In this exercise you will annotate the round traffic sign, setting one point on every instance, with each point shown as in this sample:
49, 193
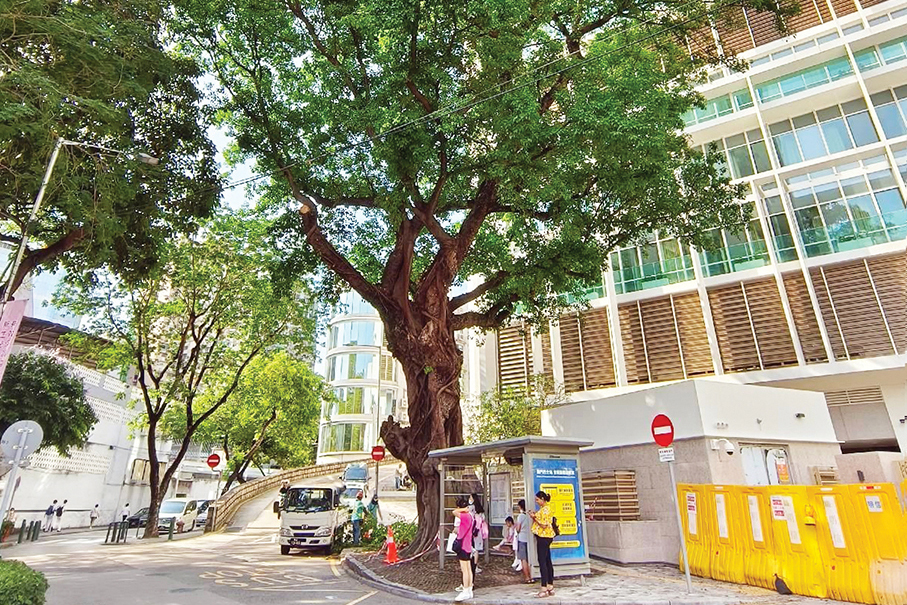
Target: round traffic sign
663, 430
213, 461
12, 436
378, 453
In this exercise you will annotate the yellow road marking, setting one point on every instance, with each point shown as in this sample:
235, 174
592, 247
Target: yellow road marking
363, 597
335, 568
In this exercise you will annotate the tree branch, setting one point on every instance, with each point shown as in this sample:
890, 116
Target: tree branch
496, 280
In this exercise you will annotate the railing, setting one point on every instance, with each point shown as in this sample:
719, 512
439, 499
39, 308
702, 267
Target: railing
222, 511
735, 258
653, 275
862, 233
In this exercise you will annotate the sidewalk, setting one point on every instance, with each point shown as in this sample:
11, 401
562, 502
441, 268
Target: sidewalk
611, 585
86, 532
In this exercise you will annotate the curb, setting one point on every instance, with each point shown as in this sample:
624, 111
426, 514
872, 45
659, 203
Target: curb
370, 578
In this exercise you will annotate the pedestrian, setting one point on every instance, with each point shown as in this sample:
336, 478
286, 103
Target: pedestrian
523, 527
124, 514
58, 516
49, 516
398, 477
543, 527
462, 546
284, 487
507, 536
93, 516
11, 516
359, 512
479, 533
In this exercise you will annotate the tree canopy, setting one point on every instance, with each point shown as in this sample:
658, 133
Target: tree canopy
98, 73
192, 326
512, 412
40, 388
272, 415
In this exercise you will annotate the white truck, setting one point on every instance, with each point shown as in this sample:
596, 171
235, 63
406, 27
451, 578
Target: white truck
309, 514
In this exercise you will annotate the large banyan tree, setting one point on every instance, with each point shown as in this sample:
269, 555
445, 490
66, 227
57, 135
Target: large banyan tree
413, 146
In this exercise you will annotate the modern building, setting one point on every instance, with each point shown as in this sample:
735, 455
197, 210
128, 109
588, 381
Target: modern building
366, 390
813, 294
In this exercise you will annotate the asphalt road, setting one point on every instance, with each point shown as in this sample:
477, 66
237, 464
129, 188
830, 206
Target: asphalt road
242, 566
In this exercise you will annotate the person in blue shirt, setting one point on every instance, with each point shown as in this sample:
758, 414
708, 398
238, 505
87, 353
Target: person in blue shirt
359, 512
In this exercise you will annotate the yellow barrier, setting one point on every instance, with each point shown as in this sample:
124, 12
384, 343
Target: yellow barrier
846, 542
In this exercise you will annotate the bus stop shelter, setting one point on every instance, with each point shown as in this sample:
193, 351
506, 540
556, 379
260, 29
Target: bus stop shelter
513, 469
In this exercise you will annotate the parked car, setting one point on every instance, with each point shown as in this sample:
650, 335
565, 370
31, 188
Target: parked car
355, 475
202, 518
179, 509
139, 518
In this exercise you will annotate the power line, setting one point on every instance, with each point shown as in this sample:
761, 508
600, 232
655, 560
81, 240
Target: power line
452, 108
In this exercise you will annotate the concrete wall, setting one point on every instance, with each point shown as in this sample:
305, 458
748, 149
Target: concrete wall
877, 467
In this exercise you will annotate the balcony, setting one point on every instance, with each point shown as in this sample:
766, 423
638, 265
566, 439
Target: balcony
861, 233
653, 275
739, 257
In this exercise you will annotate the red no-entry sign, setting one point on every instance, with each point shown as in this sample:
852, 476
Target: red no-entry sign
663, 430
213, 460
378, 453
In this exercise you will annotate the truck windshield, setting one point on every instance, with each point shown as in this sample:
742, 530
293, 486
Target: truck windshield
356, 473
308, 500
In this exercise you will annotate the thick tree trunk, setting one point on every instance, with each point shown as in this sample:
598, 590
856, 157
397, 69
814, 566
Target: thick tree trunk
154, 477
432, 370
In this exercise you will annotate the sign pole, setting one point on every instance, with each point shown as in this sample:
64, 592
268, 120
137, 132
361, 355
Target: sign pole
683, 543
11, 480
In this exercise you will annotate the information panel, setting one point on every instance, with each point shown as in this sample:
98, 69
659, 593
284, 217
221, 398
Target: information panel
558, 478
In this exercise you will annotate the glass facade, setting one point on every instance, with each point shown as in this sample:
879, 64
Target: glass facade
342, 437
804, 80
353, 333
658, 262
360, 400
735, 251
720, 106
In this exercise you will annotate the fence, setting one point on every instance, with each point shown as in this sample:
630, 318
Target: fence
222, 510
845, 542
611, 496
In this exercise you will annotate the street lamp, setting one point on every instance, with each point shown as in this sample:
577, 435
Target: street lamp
60, 142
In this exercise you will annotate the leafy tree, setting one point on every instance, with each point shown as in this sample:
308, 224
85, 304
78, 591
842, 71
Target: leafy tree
513, 412
98, 73
40, 388
411, 146
272, 415
191, 327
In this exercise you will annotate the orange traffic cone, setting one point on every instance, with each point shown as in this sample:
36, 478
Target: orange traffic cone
391, 547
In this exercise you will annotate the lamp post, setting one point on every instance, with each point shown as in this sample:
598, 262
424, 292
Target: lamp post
58, 144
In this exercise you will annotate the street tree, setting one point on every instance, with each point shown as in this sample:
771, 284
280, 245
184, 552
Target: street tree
411, 146
510, 412
39, 387
191, 327
97, 73
272, 415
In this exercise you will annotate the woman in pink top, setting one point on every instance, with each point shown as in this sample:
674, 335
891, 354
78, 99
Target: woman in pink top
464, 549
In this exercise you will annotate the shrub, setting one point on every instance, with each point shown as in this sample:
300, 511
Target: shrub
20, 584
374, 535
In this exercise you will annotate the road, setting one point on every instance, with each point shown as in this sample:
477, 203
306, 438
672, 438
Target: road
243, 566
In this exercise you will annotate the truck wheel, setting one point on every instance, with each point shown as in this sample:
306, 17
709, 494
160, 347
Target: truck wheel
284, 549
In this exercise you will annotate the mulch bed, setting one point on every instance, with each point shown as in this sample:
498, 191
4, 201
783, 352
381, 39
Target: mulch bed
423, 574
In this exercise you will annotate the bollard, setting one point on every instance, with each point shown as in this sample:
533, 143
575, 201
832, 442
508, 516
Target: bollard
109, 531
170, 531
124, 529
37, 532
21, 533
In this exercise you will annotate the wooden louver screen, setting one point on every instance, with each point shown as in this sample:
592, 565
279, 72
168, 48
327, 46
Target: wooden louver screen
853, 310
571, 354
598, 361
547, 367
611, 496
804, 318
513, 358
732, 328
697, 357
776, 348
633, 344
662, 345
889, 274
868, 395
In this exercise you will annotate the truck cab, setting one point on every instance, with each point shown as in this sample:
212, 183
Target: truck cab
309, 514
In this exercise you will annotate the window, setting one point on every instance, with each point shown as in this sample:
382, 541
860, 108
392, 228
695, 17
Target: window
351, 366
346, 437
657, 262
777, 221
720, 106
827, 131
743, 154
730, 252
353, 333
892, 111
803, 80
885, 54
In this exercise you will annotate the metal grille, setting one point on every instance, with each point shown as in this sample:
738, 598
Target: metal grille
513, 358
610, 496
869, 395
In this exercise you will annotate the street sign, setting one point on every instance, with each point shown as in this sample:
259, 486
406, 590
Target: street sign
213, 461
663, 430
666, 454
12, 439
378, 453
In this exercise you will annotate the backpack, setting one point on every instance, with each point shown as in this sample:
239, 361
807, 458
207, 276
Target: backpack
557, 530
50, 510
